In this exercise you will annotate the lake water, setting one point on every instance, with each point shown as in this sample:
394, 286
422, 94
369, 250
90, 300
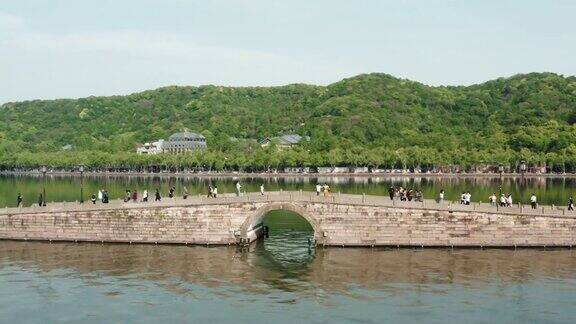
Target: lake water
281, 281
65, 188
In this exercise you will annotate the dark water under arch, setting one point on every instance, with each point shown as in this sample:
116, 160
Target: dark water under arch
289, 243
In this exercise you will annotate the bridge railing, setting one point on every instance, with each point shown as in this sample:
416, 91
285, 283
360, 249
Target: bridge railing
302, 196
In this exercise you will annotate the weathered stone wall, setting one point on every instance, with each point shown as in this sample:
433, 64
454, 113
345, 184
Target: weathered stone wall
367, 226
209, 224
333, 223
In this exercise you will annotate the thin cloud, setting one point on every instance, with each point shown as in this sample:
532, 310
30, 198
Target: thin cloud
118, 62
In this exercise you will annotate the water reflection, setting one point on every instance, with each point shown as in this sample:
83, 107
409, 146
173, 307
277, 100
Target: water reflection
84, 282
331, 269
550, 190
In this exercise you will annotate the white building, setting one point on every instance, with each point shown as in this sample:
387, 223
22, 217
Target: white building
150, 148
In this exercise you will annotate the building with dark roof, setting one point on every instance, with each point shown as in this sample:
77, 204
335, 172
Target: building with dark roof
284, 141
184, 142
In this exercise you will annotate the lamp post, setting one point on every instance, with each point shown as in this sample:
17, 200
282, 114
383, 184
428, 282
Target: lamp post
501, 170
81, 169
44, 186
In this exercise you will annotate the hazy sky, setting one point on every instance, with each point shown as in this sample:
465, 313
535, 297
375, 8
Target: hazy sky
76, 48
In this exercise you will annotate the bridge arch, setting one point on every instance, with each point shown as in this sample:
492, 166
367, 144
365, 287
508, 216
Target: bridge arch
250, 224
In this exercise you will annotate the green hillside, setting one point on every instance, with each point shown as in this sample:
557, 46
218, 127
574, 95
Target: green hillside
372, 119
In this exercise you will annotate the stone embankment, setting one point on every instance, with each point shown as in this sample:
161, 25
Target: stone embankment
339, 220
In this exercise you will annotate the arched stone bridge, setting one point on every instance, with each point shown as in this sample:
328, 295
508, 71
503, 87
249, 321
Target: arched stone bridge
339, 220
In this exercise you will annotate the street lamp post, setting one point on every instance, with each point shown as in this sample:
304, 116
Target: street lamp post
44, 186
501, 170
81, 169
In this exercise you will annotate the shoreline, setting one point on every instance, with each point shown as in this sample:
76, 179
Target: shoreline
290, 175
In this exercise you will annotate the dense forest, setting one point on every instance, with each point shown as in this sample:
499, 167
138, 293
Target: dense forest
369, 120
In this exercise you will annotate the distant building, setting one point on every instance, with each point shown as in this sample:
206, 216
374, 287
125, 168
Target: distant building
360, 169
150, 148
184, 142
333, 170
284, 141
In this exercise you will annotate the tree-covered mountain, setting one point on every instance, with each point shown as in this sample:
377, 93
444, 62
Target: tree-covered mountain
372, 119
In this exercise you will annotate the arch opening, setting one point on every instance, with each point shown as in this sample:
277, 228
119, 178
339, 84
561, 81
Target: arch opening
289, 214
287, 241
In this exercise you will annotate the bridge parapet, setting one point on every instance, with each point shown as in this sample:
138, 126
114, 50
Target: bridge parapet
295, 196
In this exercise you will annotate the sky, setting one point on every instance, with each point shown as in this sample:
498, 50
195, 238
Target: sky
77, 48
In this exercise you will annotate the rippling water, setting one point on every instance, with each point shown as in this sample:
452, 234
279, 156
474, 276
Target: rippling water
281, 280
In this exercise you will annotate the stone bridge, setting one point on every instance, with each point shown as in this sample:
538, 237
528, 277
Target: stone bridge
338, 220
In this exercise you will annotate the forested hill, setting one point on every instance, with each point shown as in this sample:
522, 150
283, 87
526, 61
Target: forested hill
532, 113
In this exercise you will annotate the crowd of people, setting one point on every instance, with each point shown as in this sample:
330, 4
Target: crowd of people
505, 200
405, 194
465, 198
324, 190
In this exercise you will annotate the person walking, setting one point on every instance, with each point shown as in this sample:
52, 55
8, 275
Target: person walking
100, 194
441, 196
105, 197
502, 200
533, 201
570, 204
215, 192
93, 199
318, 189
262, 189
492, 200
171, 192
391, 193
40, 200
135, 196
145, 195
19, 199
157, 195
468, 198
185, 195
238, 187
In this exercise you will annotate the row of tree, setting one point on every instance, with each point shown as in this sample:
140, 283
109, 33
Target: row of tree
260, 160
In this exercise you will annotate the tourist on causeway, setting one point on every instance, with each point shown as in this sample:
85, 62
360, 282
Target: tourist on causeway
238, 188
19, 200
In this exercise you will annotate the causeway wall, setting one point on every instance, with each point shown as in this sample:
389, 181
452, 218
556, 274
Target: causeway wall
345, 220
